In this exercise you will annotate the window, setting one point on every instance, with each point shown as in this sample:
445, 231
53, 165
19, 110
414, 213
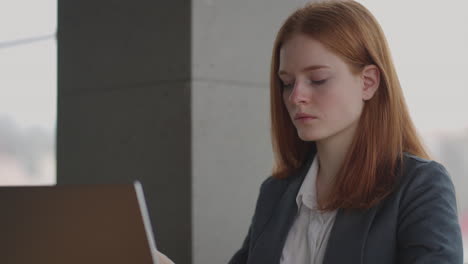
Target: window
28, 92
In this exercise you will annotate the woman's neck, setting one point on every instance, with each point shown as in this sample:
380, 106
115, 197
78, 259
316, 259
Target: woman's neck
331, 154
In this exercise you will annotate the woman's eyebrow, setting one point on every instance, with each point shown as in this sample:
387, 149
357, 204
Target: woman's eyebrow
306, 69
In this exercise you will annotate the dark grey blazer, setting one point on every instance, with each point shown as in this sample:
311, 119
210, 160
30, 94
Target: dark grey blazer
417, 223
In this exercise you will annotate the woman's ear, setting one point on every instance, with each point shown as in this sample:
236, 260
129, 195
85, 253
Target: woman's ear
371, 81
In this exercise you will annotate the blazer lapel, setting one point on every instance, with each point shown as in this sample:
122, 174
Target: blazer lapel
269, 245
348, 236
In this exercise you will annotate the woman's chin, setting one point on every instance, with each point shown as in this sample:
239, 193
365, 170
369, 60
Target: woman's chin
309, 136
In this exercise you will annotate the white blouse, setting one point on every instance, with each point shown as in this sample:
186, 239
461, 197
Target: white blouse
308, 237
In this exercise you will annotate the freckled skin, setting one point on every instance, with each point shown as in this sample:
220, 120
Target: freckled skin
337, 102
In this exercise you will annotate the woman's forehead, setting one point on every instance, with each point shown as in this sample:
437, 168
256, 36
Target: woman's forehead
304, 53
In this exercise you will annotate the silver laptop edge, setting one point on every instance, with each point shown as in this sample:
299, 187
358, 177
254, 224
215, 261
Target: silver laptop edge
146, 220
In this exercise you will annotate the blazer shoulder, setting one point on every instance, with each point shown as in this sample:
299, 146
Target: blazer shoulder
413, 159
421, 170
423, 177
272, 189
272, 182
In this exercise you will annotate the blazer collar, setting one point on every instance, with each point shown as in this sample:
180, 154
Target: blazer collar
269, 245
347, 237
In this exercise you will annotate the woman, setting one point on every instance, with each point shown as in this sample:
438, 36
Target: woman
352, 181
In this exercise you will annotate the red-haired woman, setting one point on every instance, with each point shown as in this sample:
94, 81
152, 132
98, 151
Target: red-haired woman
352, 181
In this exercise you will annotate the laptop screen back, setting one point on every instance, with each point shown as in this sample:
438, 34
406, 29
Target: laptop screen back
74, 224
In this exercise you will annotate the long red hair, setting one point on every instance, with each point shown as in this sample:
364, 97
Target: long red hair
385, 131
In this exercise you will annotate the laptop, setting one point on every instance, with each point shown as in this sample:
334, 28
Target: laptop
71, 224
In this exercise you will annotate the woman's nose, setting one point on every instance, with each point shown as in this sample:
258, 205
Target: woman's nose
300, 93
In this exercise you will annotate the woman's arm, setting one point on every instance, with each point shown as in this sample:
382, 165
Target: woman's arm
428, 228
242, 254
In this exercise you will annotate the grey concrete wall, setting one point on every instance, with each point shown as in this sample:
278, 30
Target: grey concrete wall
231, 51
124, 105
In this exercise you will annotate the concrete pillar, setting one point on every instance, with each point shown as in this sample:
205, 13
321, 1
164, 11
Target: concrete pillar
124, 106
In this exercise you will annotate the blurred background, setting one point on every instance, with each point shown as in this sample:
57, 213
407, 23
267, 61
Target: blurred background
175, 94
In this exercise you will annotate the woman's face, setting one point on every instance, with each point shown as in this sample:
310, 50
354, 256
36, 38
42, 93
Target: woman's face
318, 83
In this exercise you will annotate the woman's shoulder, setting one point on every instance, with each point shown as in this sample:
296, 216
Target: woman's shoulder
272, 187
427, 213
417, 169
423, 177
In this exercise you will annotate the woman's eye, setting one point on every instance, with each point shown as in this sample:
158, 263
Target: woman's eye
319, 82
287, 86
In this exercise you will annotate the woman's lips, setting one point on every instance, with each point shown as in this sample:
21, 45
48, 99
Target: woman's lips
304, 116
305, 119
